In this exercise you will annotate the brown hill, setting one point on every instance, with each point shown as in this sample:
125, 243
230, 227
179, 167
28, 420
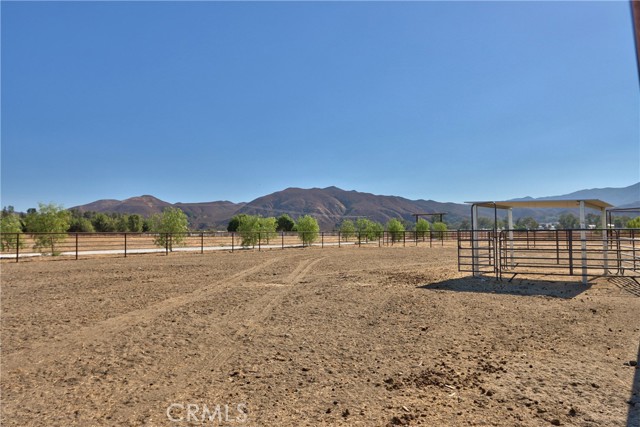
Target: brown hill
330, 206
142, 205
201, 216
209, 215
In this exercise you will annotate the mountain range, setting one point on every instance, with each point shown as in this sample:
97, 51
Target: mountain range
331, 205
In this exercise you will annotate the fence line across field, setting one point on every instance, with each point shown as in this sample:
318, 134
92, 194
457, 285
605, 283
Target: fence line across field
26, 245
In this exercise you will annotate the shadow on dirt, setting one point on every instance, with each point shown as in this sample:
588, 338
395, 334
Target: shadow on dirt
633, 419
627, 284
523, 287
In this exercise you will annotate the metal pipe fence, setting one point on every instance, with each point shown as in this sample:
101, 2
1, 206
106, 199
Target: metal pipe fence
18, 246
579, 252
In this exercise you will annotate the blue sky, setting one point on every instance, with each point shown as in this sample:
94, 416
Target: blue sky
205, 101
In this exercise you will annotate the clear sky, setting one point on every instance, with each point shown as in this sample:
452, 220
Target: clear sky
204, 101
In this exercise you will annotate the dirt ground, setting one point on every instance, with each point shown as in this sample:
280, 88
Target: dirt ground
307, 337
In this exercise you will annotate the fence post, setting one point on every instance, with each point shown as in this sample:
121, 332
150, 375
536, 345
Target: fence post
125, 245
233, 235
339, 238
259, 243
322, 239
404, 239
76, 245
202, 242
282, 234
633, 248
359, 238
166, 243
570, 244
17, 247
557, 249
430, 239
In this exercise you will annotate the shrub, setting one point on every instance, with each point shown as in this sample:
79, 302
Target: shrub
422, 227
11, 229
51, 218
308, 229
170, 227
395, 229
347, 229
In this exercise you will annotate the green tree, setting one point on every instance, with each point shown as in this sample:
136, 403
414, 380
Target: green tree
121, 223
484, 223
103, 223
8, 210
621, 221
347, 229
526, 223
368, 229
438, 229
80, 224
135, 223
568, 221
593, 219
395, 229
634, 223
422, 227
51, 219
11, 230
171, 227
266, 229
465, 224
234, 223
248, 228
285, 223
308, 229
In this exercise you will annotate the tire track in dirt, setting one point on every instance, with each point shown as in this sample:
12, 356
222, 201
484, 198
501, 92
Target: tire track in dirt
260, 310
44, 351
256, 316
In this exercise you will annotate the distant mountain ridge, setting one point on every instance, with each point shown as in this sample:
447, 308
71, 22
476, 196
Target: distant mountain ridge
625, 196
331, 205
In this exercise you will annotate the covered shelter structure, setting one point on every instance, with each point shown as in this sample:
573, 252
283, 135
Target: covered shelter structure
583, 251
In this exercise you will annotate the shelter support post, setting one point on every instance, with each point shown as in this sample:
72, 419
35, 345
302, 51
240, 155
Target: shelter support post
474, 241
510, 228
605, 240
583, 242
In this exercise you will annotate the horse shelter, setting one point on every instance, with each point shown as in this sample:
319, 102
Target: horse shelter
586, 252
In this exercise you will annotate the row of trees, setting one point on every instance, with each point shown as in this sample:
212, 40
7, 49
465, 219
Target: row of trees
364, 228
50, 224
256, 229
253, 229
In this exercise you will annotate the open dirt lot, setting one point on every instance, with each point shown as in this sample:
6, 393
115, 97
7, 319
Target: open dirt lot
340, 336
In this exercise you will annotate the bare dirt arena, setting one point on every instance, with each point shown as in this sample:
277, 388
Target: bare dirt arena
307, 337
